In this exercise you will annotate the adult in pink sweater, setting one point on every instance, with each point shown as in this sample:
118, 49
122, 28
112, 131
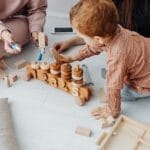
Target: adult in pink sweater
20, 20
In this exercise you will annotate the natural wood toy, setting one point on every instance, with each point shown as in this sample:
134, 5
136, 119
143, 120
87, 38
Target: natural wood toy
13, 77
107, 122
42, 43
126, 132
21, 64
62, 77
83, 131
7, 81
7, 133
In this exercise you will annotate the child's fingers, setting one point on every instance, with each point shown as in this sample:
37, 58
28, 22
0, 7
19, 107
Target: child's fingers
9, 49
97, 111
98, 117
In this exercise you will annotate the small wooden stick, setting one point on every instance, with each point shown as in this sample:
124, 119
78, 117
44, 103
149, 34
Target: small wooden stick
101, 137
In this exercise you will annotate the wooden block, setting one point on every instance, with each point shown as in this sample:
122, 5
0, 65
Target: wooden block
45, 66
79, 101
35, 65
110, 120
83, 131
32, 72
101, 137
75, 91
20, 64
7, 134
2, 74
13, 77
42, 75
84, 93
7, 81
26, 77
42, 40
107, 122
63, 85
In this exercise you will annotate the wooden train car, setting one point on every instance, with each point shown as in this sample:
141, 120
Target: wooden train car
63, 77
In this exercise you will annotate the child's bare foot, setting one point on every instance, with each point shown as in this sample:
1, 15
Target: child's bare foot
103, 112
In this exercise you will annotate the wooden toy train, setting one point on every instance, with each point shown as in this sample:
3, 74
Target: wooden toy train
63, 77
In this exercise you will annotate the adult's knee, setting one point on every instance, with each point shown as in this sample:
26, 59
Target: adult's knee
20, 29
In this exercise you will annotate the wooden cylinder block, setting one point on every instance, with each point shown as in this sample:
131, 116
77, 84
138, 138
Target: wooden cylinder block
45, 66
35, 65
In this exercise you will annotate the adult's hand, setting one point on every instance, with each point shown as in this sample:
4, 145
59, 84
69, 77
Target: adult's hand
9, 40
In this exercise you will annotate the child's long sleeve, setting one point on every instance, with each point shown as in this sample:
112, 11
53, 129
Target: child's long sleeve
115, 80
86, 52
36, 14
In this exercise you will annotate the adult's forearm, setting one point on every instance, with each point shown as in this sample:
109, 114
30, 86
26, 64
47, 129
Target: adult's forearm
76, 40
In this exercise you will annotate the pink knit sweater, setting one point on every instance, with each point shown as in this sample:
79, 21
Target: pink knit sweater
128, 60
33, 10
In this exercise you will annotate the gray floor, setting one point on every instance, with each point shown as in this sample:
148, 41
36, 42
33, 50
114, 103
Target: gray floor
45, 118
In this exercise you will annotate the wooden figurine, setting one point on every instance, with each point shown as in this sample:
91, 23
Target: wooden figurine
83, 131
62, 77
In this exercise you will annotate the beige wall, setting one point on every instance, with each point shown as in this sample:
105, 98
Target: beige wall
60, 7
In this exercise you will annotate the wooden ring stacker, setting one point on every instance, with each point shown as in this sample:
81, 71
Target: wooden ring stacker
35, 65
76, 85
45, 66
54, 72
75, 91
44, 77
77, 78
54, 82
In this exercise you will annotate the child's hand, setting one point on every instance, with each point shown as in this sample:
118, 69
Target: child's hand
8, 41
103, 112
62, 46
61, 58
